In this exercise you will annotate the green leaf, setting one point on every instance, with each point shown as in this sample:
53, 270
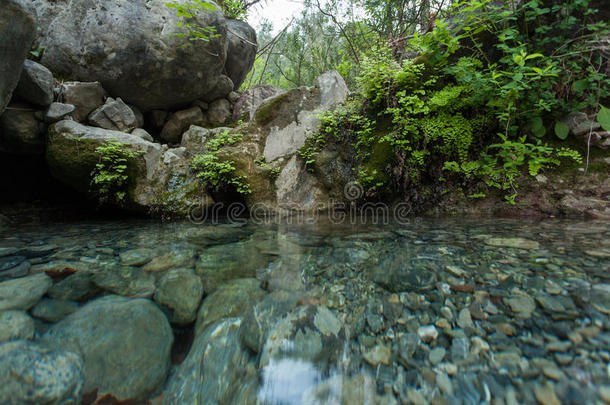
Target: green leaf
538, 128
603, 117
561, 130
579, 85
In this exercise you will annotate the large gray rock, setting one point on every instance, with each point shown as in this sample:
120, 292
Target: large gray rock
115, 115
15, 325
261, 318
86, 97
58, 111
179, 122
293, 117
213, 369
17, 30
126, 281
34, 374
250, 99
35, 85
219, 112
125, 344
20, 130
232, 299
147, 66
179, 294
154, 185
241, 52
23, 293
51, 310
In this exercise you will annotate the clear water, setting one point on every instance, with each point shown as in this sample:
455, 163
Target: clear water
384, 283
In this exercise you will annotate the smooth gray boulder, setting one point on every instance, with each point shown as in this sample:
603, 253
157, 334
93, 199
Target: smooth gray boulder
213, 369
126, 281
261, 318
15, 325
114, 115
35, 85
232, 299
51, 310
179, 294
23, 293
125, 344
34, 374
17, 31
147, 65
85, 96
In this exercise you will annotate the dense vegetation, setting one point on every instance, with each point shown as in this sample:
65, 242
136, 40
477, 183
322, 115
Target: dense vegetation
480, 96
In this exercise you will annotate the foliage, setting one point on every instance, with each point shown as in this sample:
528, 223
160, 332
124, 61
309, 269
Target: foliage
188, 11
110, 175
218, 173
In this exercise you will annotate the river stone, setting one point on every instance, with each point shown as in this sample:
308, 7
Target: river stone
397, 273
58, 111
221, 263
522, 305
84, 96
20, 130
35, 84
136, 257
124, 342
23, 293
126, 281
259, 320
51, 310
310, 333
179, 122
76, 287
19, 270
212, 371
34, 374
17, 31
15, 325
232, 299
519, 243
171, 260
179, 294
114, 115
378, 354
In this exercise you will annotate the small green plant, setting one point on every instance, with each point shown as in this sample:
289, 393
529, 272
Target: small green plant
110, 175
218, 174
188, 10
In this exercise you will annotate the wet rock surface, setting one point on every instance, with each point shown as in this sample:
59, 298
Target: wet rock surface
432, 311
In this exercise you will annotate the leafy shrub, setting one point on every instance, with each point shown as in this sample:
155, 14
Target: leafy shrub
216, 173
110, 176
